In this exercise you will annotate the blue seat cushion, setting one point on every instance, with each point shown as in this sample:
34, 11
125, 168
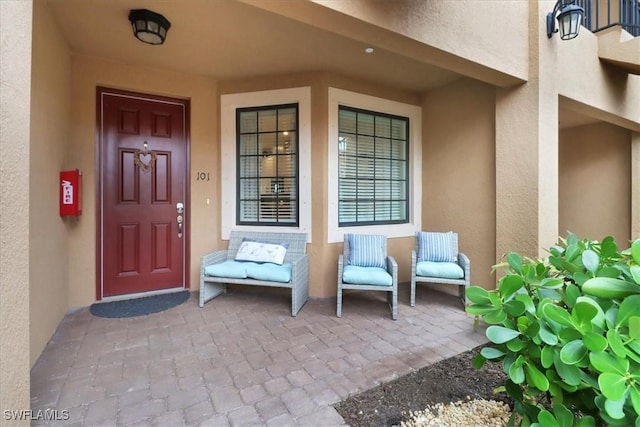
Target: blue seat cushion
442, 270
366, 276
230, 269
242, 270
269, 272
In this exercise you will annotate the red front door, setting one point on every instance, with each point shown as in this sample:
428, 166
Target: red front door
143, 187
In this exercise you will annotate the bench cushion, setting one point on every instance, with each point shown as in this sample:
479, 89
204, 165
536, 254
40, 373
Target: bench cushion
366, 276
269, 272
230, 269
242, 270
443, 270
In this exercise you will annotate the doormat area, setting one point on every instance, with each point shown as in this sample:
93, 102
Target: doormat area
139, 306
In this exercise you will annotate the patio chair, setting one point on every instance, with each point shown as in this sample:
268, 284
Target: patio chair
436, 259
365, 266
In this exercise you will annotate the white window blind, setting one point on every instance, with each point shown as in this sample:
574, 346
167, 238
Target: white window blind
372, 168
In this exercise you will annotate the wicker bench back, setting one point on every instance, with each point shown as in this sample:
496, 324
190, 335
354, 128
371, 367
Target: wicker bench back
297, 242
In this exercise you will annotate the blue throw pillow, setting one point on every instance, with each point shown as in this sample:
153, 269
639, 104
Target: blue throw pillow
367, 250
437, 247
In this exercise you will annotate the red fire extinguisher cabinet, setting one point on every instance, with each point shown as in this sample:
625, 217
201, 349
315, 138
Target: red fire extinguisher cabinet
71, 193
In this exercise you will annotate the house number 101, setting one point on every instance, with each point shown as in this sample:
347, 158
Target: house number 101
202, 176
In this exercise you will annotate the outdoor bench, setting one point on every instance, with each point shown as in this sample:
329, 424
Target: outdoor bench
221, 268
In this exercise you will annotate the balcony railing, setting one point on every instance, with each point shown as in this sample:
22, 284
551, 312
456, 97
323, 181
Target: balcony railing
601, 14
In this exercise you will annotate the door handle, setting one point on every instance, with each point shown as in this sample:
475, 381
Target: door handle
180, 220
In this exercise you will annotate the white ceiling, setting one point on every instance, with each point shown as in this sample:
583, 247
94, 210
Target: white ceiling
227, 39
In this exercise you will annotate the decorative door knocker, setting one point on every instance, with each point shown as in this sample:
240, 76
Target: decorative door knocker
145, 158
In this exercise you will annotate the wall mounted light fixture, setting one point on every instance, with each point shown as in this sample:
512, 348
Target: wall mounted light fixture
569, 19
148, 26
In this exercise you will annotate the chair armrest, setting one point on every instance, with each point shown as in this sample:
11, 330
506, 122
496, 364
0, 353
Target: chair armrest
392, 267
463, 261
300, 264
214, 258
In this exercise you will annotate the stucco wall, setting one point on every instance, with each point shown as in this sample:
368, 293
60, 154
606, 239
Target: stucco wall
458, 163
596, 88
50, 104
595, 182
461, 27
87, 73
15, 87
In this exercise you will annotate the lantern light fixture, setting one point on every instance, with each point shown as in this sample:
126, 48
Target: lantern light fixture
569, 19
149, 27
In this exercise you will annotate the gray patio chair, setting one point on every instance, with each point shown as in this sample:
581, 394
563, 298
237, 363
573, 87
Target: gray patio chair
436, 259
365, 266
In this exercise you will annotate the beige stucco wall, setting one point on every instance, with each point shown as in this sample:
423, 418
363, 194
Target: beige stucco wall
595, 182
458, 162
50, 104
15, 103
423, 21
88, 73
595, 88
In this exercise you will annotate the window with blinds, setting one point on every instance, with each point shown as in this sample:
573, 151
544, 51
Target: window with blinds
372, 168
267, 165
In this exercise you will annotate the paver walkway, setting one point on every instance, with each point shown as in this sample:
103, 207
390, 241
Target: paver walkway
242, 360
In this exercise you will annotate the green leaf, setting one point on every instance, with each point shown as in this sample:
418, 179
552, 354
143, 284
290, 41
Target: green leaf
546, 356
612, 385
615, 408
608, 272
480, 310
586, 421
573, 352
551, 283
527, 301
599, 319
605, 287
634, 394
634, 327
500, 334
595, 342
514, 308
478, 361
515, 262
572, 293
635, 273
571, 374
495, 317
516, 373
616, 344
635, 251
606, 362
546, 419
608, 247
537, 378
590, 260
510, 284
558, 315
547, 336
492, 353
630, 306
582, 314
478, 295
563, 415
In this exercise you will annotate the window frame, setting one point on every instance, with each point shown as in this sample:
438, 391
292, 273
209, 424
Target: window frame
337, 97
228, 105
296, 209
406, 181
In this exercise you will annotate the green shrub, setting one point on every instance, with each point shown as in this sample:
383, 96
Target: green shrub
567, 332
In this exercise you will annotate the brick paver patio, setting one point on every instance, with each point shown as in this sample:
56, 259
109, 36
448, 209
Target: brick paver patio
242, 360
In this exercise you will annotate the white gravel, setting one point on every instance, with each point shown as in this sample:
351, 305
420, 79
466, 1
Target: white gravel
476, 413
